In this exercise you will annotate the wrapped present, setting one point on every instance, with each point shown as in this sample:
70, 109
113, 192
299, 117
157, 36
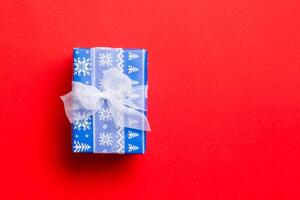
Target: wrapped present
108, 102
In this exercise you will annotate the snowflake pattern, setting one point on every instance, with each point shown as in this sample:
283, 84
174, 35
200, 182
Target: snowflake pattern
105, 114
82, 66
104, 126
100, 84
105, 59
82, 121
105, 139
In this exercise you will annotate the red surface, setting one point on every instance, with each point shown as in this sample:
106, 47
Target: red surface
224, 99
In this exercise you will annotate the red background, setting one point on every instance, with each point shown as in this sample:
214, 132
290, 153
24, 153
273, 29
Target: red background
224, 108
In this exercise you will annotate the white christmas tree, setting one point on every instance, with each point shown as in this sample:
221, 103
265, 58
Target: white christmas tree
132, 147
134, 82
79, 147
132, 134
132, 121
132, 69
132, 56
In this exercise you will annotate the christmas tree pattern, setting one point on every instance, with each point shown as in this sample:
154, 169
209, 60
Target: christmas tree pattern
80, 147
132, 147
134, 82
132, 56
132, 134
132, 69
132, 122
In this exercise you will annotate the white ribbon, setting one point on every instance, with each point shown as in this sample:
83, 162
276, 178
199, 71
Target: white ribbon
125, 101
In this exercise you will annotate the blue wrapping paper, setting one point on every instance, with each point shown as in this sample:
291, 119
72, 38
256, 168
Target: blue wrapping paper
98, 133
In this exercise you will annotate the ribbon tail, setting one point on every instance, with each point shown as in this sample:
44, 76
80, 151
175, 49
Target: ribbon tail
138, 97
82, 102
130, 104
73, 108
125, 116
68, 104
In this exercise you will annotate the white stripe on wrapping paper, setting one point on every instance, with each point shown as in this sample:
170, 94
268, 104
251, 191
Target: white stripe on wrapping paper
120, 141
121, 131
93, 55
143, 81
120, 65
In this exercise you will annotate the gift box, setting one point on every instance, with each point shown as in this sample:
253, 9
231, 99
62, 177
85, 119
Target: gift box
108, 103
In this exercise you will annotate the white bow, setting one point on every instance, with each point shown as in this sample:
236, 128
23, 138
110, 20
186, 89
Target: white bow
125, 101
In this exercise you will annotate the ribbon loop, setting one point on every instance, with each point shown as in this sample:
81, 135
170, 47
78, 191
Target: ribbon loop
124, 101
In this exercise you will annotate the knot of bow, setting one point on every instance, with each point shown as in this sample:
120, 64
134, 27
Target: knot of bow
125, 102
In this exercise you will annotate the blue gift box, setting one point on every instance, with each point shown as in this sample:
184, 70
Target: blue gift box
98, 133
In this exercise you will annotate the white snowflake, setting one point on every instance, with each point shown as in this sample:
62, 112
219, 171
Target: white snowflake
105, 139
82, 66
82, 121
132, 147
105, 114
105, 59
132, 56
104, 126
